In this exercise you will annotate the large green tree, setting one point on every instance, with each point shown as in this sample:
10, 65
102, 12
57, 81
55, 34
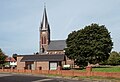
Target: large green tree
2, 58
91, 44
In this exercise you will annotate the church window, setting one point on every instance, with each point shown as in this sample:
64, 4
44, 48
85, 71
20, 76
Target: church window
44, 40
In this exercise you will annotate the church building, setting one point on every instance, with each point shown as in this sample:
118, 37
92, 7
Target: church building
48, 46
51, 54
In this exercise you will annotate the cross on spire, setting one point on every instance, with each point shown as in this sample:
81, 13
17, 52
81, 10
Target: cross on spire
44, 5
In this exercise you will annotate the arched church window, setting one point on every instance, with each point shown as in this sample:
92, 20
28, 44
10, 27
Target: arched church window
44, 40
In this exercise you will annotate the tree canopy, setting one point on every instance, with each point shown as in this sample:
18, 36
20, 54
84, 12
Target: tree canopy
114, 58
14, 56
1, 53
2, 57
91, 44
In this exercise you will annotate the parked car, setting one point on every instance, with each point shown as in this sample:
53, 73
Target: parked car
66, 67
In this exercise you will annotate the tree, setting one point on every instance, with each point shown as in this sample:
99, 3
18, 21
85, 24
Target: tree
1, 53
114, 58
91, 44
2, 58
14, 56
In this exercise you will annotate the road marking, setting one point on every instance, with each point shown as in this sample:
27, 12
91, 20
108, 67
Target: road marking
42, 80
4, 75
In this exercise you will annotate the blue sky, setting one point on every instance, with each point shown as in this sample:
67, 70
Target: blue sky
20, 21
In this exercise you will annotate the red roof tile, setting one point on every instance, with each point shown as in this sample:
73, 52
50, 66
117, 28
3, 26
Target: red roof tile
11, 59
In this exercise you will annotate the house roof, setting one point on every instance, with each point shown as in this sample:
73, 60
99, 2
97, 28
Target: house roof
57, 45
10, 59
47, 57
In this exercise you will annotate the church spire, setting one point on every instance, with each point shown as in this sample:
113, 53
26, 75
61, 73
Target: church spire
44, 32
44, 23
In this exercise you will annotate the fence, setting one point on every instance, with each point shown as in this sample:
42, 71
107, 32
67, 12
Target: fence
73, 73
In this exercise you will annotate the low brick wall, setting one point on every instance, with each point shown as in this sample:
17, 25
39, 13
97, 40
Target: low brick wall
64, 72
106, 74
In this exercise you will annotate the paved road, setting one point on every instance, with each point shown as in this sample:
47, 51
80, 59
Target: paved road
31, 78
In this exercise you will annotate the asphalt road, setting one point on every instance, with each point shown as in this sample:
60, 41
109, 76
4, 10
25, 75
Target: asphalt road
6, 77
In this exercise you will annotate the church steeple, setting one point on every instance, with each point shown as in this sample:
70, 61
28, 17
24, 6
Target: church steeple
44, 23
44, 32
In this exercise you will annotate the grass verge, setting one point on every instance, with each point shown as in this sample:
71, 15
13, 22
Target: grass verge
107, 69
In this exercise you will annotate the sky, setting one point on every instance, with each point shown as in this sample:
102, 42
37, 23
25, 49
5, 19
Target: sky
20, 21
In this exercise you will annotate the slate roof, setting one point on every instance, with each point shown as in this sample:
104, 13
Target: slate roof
47, 57
57, 45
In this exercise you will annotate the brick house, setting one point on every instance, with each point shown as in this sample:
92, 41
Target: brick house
51, 54
10, 62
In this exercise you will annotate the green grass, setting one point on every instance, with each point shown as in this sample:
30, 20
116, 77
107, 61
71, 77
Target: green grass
102, 69
107, 69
